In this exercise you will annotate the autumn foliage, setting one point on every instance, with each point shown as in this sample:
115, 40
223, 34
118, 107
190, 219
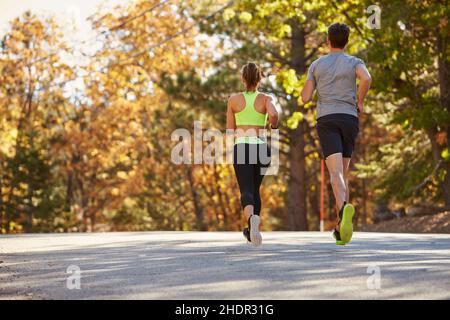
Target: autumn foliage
85, 129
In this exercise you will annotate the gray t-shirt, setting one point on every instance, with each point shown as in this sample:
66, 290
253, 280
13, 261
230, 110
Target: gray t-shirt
335, 78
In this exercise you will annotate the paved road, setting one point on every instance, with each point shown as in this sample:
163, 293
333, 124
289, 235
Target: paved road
219, 265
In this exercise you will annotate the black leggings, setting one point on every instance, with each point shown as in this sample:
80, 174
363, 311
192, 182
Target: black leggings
250, 162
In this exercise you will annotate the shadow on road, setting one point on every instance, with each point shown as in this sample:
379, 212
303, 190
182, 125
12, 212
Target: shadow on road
297, 267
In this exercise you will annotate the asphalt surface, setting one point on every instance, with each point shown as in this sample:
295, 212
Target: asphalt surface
220, 265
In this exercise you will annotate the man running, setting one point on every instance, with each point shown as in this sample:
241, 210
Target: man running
334, 76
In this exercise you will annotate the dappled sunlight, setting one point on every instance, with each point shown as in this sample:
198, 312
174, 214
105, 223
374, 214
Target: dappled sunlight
289, 265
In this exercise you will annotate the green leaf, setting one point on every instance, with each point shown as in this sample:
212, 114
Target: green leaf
245, 17
294, 120
445, 154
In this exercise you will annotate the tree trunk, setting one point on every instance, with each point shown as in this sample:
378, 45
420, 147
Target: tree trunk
30, 120
364, 201
69, 191
30, 209
444, 85
222, 202
210, 193
84, 215
196, 201
2, 209
83, 206
314, 201
297, 214
93, 218
436, 150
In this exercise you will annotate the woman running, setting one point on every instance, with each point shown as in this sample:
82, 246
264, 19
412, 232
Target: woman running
247, 114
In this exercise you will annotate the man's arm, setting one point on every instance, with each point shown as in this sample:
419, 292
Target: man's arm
273, 110
308, 91
364, 84
310, 84
231, 121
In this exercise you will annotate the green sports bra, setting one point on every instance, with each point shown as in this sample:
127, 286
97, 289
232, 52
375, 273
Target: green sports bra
249, 116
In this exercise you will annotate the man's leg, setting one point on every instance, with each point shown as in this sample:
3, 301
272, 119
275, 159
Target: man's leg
345, 227
349, 128
346, 164
336, 169
331, 140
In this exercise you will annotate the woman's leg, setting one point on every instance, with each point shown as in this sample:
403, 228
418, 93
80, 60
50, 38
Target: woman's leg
257, 196
259, 173
259, 170
244, 175
257, 181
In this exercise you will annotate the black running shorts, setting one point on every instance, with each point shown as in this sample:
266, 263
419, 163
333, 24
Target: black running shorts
337, 134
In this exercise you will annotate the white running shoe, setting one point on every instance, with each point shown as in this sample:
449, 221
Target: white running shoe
255, 235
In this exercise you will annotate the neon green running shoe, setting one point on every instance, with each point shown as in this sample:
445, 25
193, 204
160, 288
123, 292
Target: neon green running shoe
346, 228
337, 237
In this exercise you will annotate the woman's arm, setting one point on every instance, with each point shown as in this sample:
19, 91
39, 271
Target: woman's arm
273, 110
231, 121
